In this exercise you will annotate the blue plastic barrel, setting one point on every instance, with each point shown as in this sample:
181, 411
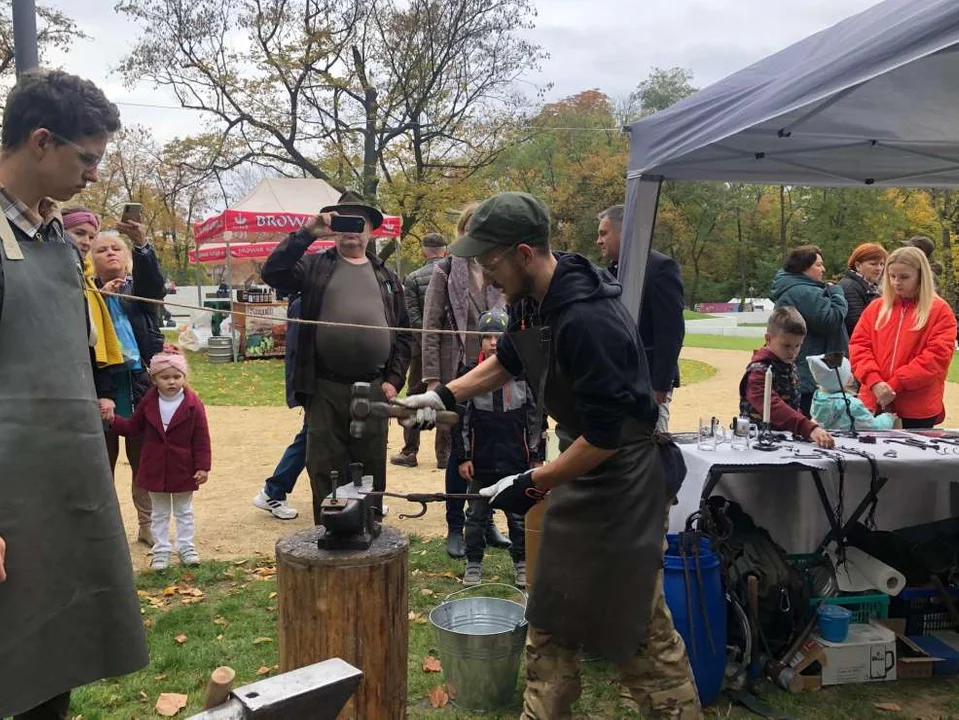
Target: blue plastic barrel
708, 661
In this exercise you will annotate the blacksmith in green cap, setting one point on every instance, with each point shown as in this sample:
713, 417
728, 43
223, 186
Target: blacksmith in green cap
598, 578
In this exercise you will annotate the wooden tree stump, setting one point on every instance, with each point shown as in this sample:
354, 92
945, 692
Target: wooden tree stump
352, 605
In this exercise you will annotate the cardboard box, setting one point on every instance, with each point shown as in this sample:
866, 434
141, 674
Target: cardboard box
868, 655
912, 662
803, 671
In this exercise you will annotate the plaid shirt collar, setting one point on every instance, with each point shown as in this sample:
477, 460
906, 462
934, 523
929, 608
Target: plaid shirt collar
29, 222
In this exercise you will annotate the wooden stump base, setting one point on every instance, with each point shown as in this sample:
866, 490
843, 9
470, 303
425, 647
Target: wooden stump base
350, 604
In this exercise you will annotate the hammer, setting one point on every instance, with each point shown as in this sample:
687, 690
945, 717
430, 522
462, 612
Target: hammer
361, 408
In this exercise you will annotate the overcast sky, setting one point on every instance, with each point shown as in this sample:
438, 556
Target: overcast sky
607, 44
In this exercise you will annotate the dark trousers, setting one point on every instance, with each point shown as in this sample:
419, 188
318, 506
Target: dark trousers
805, 403
330, 447
411, 436
479, 515
57, 708
141, 498
455, 509
918, 423
284, 477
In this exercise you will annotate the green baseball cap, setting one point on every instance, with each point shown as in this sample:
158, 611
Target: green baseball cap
504, 220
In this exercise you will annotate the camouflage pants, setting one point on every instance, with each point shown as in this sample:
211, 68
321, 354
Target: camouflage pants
658, 678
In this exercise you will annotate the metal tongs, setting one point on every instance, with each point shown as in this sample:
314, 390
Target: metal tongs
423, 498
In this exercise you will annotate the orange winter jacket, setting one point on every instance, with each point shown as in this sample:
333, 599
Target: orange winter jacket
913, 362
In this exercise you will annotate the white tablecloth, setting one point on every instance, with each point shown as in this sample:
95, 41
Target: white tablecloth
784, 500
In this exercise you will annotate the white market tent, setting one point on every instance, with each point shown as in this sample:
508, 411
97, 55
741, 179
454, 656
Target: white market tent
871, 101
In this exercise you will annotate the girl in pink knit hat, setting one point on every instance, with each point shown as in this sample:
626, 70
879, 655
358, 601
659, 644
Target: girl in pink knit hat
176, 456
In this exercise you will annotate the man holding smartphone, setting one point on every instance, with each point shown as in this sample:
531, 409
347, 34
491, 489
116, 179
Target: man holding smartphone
347, 284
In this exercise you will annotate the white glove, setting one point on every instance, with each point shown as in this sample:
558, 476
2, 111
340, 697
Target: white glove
514, 493
499, 486
426, 405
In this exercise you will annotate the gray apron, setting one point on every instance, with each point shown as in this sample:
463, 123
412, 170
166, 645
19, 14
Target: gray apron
602, 533
69, 614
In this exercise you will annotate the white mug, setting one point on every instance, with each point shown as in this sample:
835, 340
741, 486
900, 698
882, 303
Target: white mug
742, 432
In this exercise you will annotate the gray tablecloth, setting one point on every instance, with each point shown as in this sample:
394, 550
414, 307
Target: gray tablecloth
784, 499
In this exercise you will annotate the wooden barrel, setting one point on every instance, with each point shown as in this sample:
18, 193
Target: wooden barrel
220, 349
352, 605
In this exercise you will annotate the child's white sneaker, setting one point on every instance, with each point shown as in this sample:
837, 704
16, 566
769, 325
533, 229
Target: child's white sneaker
160, 561
190, 557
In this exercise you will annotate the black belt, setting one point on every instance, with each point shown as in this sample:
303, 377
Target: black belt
343, 380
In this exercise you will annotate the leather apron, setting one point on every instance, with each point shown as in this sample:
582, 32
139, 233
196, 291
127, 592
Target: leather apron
69, 613
602, 533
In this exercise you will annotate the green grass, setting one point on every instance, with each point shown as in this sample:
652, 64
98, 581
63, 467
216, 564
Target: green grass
693, 371
953, 375
235, 612
693, 315
723, 342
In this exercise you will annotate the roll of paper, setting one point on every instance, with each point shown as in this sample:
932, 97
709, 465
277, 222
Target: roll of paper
862, 572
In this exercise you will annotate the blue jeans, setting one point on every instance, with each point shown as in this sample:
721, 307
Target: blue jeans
289, 468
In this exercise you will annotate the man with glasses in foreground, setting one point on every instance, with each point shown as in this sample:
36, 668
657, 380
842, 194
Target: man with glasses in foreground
69, 614
598, 578
345, 284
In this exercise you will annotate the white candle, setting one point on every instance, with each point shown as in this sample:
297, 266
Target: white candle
767, 395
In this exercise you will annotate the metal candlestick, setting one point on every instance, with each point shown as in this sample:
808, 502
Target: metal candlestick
765, 442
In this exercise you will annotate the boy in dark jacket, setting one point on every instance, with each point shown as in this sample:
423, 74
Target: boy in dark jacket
500, 435
785, 333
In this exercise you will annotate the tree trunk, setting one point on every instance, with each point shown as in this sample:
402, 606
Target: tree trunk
782, 222
352, 605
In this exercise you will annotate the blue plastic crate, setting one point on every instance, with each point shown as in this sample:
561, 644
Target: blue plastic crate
923, 610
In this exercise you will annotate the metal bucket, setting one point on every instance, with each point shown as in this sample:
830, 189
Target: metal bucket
480, 642
220, 349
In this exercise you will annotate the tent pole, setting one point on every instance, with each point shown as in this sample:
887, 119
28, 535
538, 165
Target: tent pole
199, 277
229, 282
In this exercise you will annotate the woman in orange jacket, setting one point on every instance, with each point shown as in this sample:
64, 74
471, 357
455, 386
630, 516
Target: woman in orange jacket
904, 342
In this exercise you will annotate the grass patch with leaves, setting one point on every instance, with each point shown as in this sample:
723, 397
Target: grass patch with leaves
225, 613
723, 342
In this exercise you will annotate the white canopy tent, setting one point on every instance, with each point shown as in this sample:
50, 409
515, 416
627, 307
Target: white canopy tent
873, 100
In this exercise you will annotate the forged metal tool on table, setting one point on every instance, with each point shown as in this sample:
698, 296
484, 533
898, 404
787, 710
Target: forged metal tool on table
908, 442
424, 498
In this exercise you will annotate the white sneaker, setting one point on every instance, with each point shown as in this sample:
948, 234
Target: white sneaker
160, 561
279, 508
189, 557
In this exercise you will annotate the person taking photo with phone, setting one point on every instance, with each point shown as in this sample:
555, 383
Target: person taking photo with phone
345, 284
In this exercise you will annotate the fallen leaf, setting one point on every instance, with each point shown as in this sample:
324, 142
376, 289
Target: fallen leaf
239, 562
272, 595
420, 621
148, 623
431, 664
161, 676
261, 640
426, 592
270, 608
143, 594
888, 707
413, 615
180, 639
144, 696
188, 577
218, 620
263, 670
169, 591
439, 697
219, 637
169, 704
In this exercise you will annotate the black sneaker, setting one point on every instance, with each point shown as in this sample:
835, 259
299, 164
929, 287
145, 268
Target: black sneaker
403, 460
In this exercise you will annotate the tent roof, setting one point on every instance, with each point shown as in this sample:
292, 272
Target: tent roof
290, 195
871, 100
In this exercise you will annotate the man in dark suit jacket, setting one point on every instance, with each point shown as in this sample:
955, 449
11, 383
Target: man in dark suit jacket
661, 324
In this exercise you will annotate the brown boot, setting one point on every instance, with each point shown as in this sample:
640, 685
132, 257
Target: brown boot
404, 460
144, 508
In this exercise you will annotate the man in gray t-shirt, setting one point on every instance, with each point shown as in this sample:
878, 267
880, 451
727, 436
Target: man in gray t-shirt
349, 285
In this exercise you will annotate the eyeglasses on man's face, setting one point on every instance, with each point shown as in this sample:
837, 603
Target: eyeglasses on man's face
88, 159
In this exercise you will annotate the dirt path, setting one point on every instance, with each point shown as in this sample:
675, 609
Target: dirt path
247, 442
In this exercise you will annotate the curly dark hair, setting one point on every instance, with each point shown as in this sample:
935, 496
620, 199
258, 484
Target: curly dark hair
801, 259
64, 104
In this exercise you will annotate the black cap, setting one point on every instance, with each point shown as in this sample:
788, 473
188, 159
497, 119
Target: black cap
433, 240
351, 203
504, 220
922, 243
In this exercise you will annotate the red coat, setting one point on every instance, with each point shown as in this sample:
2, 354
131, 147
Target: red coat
169, 458
913, 362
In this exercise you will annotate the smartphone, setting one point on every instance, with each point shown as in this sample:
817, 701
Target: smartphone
347, 224
132, 212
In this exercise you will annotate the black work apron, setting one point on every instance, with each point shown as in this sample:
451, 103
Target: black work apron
69, 613
602, 533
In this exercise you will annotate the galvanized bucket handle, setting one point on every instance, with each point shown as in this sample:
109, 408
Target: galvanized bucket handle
489, 584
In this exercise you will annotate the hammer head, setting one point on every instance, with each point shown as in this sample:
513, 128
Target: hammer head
359, 408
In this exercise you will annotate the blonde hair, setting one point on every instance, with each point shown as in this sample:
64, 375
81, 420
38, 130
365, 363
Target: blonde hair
465, 214
916, 259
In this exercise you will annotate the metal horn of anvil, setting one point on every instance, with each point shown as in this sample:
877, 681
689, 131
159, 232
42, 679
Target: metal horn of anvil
348, 514
314, 692
362, 408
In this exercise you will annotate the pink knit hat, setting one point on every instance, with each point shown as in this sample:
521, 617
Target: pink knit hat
162, 361
72, 218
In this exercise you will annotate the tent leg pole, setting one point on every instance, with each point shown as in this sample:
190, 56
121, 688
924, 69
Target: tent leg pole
229, 282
